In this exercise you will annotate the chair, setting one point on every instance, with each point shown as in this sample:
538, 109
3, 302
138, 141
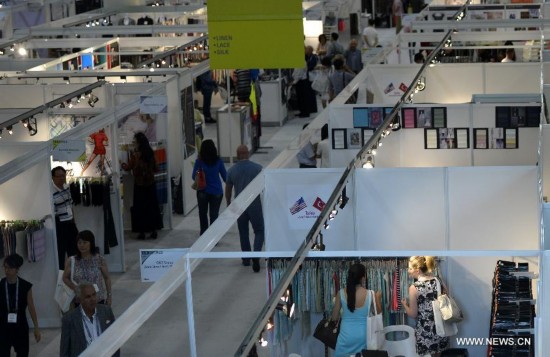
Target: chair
402, 342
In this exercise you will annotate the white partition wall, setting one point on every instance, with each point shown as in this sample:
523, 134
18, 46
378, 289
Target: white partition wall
285, 230
28, 197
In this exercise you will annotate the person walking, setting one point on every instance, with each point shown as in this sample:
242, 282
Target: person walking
90, 266
370, 35
239, 176
15, 298
209, 199
83, 325
207, 87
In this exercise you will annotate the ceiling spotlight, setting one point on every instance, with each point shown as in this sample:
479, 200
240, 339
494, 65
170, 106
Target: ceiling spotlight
123, 79
32, 126
163, 62
69, 104
326, 225
12, 48
9, 128
0, 133
1, 51
22, 51
79, 98
25, 122
343, 198
368, 164
67, 80
92, 100
319, 243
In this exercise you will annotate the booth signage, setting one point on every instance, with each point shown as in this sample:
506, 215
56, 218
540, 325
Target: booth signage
69, 150
153, 104
305, 204
155, 262
255, 34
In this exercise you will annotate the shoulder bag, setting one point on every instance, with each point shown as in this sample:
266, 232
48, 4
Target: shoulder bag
200, 180
64, 295
442, 328
327, 332
375, 326
449, 308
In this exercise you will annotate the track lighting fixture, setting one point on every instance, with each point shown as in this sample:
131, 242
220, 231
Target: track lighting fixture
123, 78
12, 48
319, 246
22, 51
92, 100
32, 126
62, 105
25, 122
343, 198
420, 84
286, 303
67, 80
326, 225
0, 133
79, 98
368, 164
9, 128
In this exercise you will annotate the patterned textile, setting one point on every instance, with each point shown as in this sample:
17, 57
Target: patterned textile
427, 340
90, 270
36, 244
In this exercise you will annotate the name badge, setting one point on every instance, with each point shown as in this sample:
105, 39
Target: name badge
12, 318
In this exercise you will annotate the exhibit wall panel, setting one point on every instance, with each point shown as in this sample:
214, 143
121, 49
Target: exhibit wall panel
27, 197
400, 209
174, 133
284, 189
513, 78
546, 161
385, 81
453, 83
493, 208
21, 96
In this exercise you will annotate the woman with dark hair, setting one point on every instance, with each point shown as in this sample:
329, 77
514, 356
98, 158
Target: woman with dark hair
15, 297
89, 266
146, 215
356, 302
209, 199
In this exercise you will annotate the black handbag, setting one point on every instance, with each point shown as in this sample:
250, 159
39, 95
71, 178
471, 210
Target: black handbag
327, 332
373, 353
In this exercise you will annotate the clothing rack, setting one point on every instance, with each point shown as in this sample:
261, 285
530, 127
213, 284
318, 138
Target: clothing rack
318, 280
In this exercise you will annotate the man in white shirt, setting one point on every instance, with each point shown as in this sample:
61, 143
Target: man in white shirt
370, 35
64, 218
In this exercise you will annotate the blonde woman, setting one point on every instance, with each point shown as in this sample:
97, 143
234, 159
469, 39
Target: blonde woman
419, 306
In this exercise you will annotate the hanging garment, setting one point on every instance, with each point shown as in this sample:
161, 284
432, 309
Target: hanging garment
109, 234
36, 244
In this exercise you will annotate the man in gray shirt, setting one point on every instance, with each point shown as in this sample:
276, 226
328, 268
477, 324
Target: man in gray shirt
239, 176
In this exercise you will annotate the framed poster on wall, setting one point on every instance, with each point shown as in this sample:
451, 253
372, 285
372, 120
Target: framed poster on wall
462, 136
339, 139
481, 138
447, 138
367, 134
424, 118
511, 138
409, 118
354, 138
439, 117
360, 117
502, 119
496, 138
376, 118
430, 139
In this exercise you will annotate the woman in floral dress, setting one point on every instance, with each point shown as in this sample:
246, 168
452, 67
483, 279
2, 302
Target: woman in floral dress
419, 307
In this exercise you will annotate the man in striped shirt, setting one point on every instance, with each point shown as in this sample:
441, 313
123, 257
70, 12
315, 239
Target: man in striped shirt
65, 226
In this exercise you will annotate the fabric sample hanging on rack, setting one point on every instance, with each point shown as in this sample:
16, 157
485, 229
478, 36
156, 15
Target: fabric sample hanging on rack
36, 243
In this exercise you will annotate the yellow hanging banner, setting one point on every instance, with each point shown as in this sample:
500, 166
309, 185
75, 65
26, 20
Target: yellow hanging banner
255, 34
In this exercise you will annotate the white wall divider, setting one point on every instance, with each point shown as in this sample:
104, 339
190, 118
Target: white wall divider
285, 230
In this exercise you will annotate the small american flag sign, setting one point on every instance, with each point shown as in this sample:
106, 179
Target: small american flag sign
298, 206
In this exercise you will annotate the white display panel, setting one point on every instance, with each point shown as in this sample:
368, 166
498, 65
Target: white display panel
400, 209
493, 208
285, 231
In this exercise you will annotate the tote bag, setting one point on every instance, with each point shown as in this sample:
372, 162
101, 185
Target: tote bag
375, 327
63, 294
442, 328
449, 308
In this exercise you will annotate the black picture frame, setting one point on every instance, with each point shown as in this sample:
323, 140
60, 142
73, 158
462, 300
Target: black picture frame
339, 139
424, 117
533, 116
502, 117
511, 138
408, 116
361, 117
431, 138
481, 138
459, 133
439, 117
366, 134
